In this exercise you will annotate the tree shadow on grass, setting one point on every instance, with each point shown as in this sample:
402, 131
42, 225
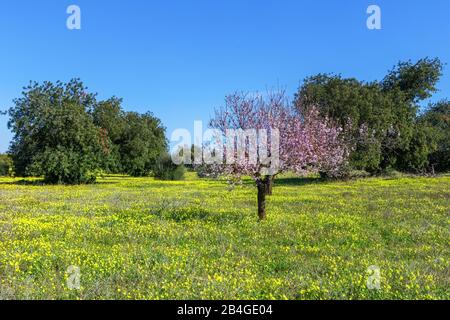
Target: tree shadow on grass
186, 214
42, 183
290, 181
299, 181
24, 182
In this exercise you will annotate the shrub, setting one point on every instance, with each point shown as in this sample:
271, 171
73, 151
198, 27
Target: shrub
165, 169
6, 165
206, 171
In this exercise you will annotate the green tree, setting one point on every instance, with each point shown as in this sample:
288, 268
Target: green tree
110, 118
415, 157
437, 117
165, 169
132, 141
380, 117
6, 165
363, 109
417, 81
142, 142
54, 136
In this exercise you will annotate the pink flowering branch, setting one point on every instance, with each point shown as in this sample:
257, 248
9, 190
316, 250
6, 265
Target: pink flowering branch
304, 142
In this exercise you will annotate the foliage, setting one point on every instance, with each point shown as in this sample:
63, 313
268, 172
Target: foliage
142, 143
63, 133
6, 165
165, 169
137, 238
437, 116
417, 81
54, 136
415, 157
109, 116
134, 141
206, 171
383, 115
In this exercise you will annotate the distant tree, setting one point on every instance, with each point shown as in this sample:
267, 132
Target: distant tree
54, 136
305, 143
141, 144
437, 118
6, 165
165, 169
110, 118
133, 141
343, 99
63, 133
383, 114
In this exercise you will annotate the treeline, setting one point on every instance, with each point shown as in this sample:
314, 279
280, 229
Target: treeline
63, 133
383, 120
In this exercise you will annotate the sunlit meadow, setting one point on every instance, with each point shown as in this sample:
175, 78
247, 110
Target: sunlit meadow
139, 238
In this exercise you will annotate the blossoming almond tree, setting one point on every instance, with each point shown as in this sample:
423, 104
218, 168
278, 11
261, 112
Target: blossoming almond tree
262, 136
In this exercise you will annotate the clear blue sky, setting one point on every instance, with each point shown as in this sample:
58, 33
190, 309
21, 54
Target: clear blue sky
179, 59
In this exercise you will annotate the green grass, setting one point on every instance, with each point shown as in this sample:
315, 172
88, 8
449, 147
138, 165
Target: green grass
196, 239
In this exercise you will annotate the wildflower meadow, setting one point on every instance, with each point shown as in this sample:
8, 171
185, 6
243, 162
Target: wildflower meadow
140, 238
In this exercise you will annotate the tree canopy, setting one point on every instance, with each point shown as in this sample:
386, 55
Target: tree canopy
61, 132
382, 115
437, 119
54, 136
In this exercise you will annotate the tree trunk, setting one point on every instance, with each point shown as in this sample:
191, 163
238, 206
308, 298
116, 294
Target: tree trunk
269, 184
262, 200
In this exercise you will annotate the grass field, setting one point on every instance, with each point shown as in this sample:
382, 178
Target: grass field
145, 239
